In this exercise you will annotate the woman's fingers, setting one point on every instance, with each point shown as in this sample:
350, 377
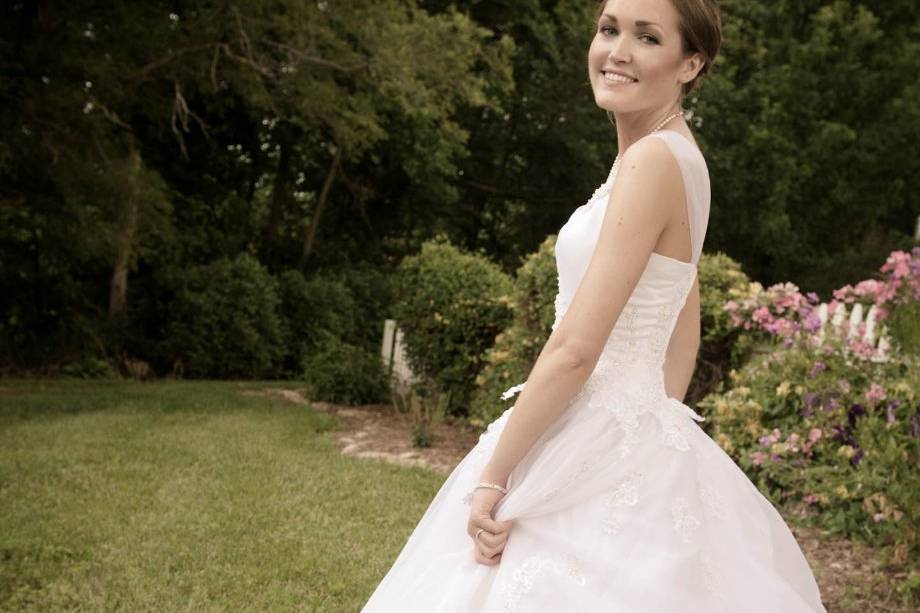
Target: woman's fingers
489, 551
477, 555
495, 527
492, 540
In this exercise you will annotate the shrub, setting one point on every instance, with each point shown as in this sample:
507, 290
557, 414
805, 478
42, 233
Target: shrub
310, 308
722, 345
450, 307
822, 427
516, 349
340, 372
89, 368
225, 320
830, 418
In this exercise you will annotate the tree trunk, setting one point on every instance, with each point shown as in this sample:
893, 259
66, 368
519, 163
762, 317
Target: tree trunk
281, 195
124, 240
310, 237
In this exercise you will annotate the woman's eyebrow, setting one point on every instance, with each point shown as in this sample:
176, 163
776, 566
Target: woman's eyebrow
639, 22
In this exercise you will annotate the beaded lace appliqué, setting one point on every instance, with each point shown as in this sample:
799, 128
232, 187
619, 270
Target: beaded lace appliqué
523, 577
625, 494
685, 523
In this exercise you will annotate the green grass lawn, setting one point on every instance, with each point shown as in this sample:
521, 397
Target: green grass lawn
179, 496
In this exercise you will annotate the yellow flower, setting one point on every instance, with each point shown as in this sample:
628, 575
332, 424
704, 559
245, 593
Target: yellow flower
743, 391
905, 388
799, 390
724, 442
782, 390
846, 450
842, 492
779, 448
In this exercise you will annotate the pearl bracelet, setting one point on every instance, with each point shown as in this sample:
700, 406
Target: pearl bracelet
469, 497
494, 486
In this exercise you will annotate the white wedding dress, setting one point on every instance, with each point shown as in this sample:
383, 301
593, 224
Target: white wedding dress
624, 504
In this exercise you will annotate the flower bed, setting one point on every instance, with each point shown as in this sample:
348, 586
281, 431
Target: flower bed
828, 414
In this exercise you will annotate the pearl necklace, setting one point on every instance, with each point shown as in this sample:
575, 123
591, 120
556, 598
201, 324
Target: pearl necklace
616, 163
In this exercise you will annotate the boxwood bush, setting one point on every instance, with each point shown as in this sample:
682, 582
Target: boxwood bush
450, 305
516, 348
225, 320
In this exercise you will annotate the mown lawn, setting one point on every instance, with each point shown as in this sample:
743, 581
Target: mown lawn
179, 496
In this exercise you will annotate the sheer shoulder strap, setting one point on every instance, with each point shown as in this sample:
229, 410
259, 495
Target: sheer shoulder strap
696, 185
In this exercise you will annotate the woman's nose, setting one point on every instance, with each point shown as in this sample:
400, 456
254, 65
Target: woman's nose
619, 49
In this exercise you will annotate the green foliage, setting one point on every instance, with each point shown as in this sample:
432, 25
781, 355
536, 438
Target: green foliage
810, 184
89, 368
722, 345
516, 348
817, 426
450, 307
311, 309
225, 320
340, 372
904, 326
423, 405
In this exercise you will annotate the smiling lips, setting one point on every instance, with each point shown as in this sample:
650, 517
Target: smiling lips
614, 77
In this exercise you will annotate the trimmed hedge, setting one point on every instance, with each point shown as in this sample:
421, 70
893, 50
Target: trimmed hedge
450, 307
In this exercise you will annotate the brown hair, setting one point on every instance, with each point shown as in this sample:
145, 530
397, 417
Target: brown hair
700, 25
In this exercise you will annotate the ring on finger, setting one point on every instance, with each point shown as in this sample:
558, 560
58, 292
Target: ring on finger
478, 532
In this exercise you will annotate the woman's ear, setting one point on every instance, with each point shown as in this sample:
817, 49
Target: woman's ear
691, 67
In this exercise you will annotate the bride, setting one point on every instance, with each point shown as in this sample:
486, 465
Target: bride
596, 491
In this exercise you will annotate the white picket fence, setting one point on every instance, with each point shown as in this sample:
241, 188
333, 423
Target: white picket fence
850, 324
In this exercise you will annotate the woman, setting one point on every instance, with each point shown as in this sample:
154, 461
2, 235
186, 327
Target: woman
596, 491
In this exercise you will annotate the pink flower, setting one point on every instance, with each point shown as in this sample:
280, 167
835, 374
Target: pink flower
844, 294
876, 392
762, 315
758, 458
814, 435
870, 288
898, 263
809, 499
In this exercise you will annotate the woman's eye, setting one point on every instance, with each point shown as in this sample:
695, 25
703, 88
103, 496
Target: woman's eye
651, 38
605, 29
611, 30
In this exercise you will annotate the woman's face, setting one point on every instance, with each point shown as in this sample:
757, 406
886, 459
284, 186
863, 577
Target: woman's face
650, 54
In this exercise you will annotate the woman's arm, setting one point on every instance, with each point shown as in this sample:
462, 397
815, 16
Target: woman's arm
648, 188
680, 359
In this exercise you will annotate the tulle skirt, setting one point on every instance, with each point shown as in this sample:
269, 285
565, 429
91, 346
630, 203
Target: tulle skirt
624, 504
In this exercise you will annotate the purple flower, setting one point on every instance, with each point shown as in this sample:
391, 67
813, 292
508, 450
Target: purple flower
812, 322
816, 368
853, 414
856, 457
812, 297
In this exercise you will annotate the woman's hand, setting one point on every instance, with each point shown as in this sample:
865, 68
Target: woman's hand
491, 542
